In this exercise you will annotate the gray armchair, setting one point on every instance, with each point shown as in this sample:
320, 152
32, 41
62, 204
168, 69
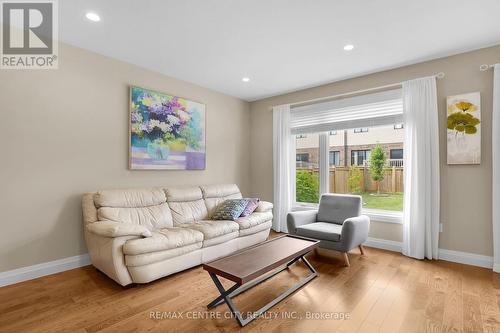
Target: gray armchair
337, 223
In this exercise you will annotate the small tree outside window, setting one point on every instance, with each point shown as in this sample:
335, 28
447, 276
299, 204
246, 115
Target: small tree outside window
354, 179
377, 164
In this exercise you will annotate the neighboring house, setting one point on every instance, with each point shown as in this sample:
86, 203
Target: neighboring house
352, 147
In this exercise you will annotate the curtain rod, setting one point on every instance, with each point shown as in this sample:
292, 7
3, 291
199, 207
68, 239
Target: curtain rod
485, 67
439, 75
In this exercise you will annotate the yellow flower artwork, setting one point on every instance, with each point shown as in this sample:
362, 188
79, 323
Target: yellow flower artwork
464, 129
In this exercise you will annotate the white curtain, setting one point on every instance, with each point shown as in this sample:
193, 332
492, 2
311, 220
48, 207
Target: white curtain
421, 179
495, 136
283, 165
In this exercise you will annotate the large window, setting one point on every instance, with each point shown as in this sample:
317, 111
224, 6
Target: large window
355, 146
355, 177
360, 157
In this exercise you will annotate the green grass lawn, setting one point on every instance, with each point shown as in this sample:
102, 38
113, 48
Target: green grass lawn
394, 201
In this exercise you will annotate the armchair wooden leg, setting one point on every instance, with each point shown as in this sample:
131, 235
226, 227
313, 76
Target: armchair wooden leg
362, 250
346, 259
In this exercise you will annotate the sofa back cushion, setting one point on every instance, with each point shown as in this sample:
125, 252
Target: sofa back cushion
146, 207
214, 195
186, 204
130, 198
336, 208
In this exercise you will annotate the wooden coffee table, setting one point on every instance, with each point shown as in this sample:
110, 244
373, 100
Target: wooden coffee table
256, 264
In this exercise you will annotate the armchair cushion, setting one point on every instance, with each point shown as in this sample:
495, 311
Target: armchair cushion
336, 208
296, 219
321, 230
117, 229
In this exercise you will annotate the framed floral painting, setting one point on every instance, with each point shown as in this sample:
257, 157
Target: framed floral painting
166, 132
464, 128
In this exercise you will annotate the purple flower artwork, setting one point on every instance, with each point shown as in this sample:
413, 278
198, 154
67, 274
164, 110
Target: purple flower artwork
166, 132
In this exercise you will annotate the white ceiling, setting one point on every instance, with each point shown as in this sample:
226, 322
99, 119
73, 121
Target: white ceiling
282, 45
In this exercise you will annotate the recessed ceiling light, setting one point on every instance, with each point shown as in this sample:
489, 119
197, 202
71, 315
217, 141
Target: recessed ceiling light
348, 47
245, 79
93, 17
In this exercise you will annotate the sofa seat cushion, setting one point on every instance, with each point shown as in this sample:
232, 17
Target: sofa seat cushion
220, 239
255, 229
163, 239
254, 219
212, 228
321, 230
153, 257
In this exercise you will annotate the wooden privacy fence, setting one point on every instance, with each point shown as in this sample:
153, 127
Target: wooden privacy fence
339, 179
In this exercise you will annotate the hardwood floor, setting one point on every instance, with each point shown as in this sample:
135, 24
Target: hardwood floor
380, 292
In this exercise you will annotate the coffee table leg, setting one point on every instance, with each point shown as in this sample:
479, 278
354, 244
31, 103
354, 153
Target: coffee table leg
220, 299
293, 261
225, 295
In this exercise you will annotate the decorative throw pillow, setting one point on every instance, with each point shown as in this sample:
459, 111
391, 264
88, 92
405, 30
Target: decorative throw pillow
230, 209
253, 203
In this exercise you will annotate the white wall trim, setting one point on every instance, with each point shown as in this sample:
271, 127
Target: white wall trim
39, 270
379, 215
466, 258
384, 244
56, 266
443, 254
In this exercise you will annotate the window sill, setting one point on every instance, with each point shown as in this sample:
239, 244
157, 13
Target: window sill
378, 215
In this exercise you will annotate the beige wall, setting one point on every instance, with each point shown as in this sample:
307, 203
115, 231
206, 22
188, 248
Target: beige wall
465, 190
65, 131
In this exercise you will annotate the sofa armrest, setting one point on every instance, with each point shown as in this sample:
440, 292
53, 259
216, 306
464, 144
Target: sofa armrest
116, 229
296, 219
264, 206
106, 254
355, 231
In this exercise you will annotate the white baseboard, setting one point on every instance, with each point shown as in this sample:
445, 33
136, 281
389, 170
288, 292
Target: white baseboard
46, 268
443, 254
384, 244
466, 258
56, 266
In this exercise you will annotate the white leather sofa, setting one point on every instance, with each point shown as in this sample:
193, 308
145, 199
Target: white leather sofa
139, 235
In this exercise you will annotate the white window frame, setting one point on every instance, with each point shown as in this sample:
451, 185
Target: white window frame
378, 215
357, 112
